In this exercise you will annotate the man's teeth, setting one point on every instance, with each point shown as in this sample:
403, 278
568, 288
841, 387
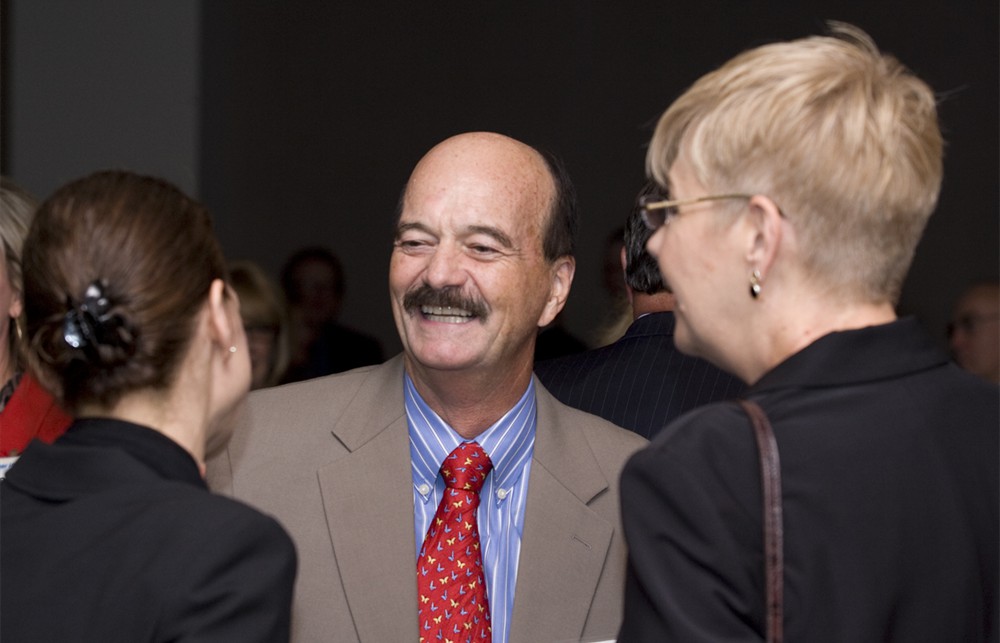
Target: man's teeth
446, 313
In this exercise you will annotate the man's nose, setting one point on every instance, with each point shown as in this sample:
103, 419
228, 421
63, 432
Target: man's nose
446, 267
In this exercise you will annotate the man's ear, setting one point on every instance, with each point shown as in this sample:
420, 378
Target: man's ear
562, 272
628, 289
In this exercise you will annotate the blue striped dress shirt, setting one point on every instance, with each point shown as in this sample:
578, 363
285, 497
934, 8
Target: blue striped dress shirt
509, 443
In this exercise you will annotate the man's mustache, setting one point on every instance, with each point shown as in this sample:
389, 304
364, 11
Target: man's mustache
447, 297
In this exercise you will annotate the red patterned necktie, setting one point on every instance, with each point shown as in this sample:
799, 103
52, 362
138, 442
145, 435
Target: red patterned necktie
451, 582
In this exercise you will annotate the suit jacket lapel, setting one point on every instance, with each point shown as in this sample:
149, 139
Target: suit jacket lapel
369, 510
565, 544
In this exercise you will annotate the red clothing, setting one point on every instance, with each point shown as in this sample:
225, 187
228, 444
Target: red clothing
30, 413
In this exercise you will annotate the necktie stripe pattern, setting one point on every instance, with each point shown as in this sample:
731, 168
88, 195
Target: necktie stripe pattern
451, 585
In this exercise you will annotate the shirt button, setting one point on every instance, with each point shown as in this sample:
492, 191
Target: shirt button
424, 489
501, 494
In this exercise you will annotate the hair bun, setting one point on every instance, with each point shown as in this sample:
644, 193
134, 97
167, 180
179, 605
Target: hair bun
103, 337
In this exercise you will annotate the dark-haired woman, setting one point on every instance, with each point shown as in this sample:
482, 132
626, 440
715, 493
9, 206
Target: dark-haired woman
110, 534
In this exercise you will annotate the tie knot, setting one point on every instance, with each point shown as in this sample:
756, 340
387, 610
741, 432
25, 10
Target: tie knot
466, 467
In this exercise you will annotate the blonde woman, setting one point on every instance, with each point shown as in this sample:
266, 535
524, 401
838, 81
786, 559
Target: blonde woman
27, 411
801, 176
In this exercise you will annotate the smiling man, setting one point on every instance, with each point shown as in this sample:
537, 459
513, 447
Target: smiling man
446, 492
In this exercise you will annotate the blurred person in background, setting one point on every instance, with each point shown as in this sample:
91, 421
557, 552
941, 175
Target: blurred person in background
27, 411
314, 285
974, 330
263, 312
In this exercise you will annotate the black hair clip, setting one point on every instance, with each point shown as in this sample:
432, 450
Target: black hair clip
89, 324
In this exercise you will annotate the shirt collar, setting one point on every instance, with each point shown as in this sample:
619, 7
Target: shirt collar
509, 441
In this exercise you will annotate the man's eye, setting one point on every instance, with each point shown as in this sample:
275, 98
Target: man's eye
480, 249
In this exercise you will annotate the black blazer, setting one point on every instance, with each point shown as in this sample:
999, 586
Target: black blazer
889, 465
110, 534
641, 382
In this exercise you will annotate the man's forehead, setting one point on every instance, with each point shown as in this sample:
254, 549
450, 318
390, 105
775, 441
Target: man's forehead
480, 172
513, 192
480, 145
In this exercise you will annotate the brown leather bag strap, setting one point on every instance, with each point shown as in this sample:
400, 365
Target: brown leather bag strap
770, 473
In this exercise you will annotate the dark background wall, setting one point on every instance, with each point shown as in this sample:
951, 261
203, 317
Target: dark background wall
298, 121
92, 84
314, 114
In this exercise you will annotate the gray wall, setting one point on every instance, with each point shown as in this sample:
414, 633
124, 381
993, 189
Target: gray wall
298, 121
93, 84
314, 114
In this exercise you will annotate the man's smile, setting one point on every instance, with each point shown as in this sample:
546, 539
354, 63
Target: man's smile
447, 314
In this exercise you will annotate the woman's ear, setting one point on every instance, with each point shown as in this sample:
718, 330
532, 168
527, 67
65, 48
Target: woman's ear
767, 227
221, 317
16, 305
562, 279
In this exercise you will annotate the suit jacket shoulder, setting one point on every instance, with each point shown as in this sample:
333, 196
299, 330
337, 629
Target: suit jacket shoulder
332, 454
329, 458
640, 382
890, 487
123, 554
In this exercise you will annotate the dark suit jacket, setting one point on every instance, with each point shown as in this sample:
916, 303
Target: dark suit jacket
890, 489
330, 457
109, 535
641, 382
337, 349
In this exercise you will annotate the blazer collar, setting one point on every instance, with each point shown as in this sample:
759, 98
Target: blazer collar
99, 454
563, 452
377, 405
888, 350
661, 323
566, 544
368, 498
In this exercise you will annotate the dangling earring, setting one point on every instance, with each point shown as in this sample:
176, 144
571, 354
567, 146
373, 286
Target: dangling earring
17, 329
755, 284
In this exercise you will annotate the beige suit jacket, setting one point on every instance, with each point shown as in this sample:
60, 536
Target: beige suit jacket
330, 459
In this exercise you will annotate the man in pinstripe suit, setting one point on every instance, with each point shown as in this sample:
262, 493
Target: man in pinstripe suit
640, 382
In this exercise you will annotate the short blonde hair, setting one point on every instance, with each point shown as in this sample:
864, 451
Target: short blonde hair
843, 138
17, 207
